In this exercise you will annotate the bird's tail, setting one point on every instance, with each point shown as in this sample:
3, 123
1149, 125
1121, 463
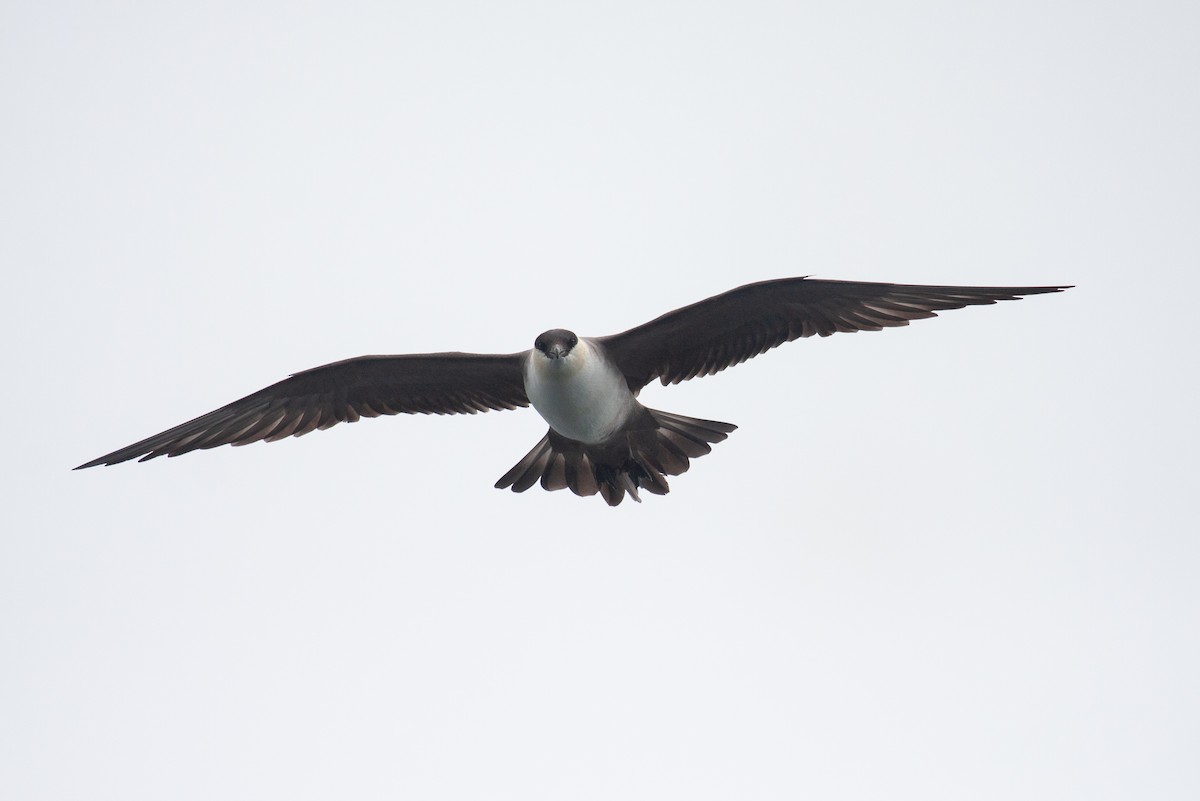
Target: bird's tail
640, 457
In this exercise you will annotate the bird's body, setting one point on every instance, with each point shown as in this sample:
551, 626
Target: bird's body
601, 439
581, 394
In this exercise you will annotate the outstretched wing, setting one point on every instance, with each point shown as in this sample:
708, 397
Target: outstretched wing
342, 392
730, 328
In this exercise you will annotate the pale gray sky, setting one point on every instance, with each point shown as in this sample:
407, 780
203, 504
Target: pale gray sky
957, 560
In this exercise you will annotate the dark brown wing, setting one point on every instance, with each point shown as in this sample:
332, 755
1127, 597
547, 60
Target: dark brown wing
728, 329
342, 392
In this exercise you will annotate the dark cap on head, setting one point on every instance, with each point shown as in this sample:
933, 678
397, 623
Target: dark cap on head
556, 343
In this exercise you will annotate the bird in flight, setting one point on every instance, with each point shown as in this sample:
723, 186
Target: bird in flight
601, 439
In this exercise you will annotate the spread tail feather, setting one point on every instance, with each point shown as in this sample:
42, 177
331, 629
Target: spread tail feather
641, 456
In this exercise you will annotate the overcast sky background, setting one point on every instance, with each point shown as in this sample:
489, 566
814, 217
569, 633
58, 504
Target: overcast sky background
956, 560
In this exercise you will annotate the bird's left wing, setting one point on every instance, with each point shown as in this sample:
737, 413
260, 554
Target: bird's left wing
706, 337
342, 392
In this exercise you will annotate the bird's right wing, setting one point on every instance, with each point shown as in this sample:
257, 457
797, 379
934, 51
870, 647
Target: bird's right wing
342, 392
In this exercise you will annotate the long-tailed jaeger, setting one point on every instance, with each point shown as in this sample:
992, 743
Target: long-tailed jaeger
601, 439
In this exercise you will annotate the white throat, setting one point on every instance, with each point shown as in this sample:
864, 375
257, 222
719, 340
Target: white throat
582, 395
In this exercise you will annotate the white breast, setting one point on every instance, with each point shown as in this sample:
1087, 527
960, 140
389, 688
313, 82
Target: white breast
582, 396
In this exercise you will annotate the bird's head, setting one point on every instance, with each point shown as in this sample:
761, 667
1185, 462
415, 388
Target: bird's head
556, 343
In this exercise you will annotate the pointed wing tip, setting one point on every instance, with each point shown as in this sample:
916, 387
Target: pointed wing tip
106, 460
103, 461
118, 457
1020, 292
